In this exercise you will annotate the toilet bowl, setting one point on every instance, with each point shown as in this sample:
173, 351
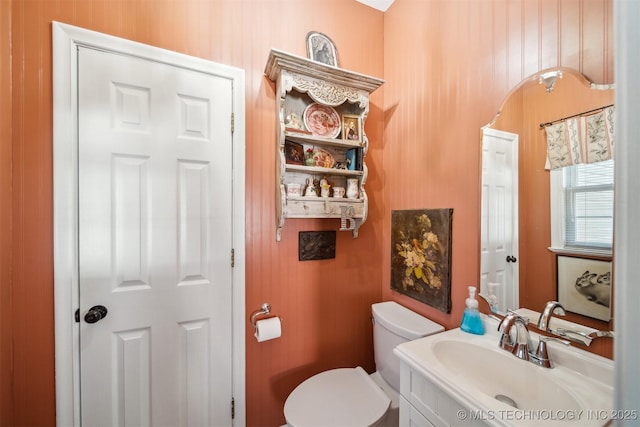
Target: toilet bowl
349, 397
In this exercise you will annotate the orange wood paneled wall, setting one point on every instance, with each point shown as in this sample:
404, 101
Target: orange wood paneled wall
325, 304
446, 78
522, 113
447, 64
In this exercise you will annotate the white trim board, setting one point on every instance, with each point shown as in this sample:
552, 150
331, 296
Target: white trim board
626, 207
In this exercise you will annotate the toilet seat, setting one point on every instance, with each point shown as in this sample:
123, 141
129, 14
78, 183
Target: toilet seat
338, 397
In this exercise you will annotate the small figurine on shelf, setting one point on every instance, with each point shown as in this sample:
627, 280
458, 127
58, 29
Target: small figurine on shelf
310, 161
294, 122
311, 189
325, 188
343, 165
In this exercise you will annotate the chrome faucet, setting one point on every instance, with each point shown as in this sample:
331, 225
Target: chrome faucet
541, 356
584, 338
520, 345
550, 308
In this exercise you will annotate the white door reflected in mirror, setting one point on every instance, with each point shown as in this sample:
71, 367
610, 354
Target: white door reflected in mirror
499, 219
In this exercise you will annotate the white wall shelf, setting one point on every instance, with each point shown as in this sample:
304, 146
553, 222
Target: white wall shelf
301, 82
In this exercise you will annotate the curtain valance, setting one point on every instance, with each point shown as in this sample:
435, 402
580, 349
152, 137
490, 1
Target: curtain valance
581, 139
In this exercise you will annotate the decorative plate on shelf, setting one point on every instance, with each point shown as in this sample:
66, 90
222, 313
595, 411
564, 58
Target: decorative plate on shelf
322, 120
323, 158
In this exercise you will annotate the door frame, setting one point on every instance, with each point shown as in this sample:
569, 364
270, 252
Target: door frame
66, 40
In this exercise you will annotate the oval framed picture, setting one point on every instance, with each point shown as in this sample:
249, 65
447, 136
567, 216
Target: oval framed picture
320, 48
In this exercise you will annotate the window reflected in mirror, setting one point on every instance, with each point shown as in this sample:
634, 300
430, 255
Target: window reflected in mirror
582, 208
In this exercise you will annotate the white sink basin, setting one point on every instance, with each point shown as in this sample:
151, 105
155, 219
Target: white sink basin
477, 373
502, 374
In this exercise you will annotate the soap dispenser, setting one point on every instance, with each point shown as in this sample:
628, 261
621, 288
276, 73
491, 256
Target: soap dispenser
471, 321
493, 296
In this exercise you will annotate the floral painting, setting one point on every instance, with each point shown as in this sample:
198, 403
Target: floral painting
421, 255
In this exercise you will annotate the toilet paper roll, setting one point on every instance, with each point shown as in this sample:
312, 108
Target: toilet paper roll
268, 329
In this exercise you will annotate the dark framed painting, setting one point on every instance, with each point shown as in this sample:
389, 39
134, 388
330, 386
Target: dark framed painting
584, 286
316, 245
421, 255
293, 153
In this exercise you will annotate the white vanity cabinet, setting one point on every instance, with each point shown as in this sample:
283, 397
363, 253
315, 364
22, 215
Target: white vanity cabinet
422, 403
458, 379
315, 105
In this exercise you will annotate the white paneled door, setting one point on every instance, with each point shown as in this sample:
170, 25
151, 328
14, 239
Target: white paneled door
154, 245
499, 222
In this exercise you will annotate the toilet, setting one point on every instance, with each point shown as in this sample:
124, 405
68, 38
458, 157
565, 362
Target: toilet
349, 397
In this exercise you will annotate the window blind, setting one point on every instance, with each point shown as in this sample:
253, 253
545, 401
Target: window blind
588, 193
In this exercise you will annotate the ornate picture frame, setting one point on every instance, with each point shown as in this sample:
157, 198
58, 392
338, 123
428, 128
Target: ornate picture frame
584, 286
320, 48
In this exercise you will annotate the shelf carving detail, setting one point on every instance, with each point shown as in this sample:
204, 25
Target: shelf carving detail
327, 93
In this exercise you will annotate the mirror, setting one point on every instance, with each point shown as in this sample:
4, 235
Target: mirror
547, 96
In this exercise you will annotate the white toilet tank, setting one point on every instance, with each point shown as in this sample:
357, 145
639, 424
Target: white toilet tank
393, 325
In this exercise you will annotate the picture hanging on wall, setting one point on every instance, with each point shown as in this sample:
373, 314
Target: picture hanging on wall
315, 245
320, 48
421, 255
584, 286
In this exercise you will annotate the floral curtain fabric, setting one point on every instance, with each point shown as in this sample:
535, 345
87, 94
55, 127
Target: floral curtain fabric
583, 139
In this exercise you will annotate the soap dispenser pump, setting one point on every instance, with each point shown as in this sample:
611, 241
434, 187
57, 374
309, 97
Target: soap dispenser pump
471, 321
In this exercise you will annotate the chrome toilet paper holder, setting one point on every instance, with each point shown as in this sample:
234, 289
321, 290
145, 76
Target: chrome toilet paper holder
265, 309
